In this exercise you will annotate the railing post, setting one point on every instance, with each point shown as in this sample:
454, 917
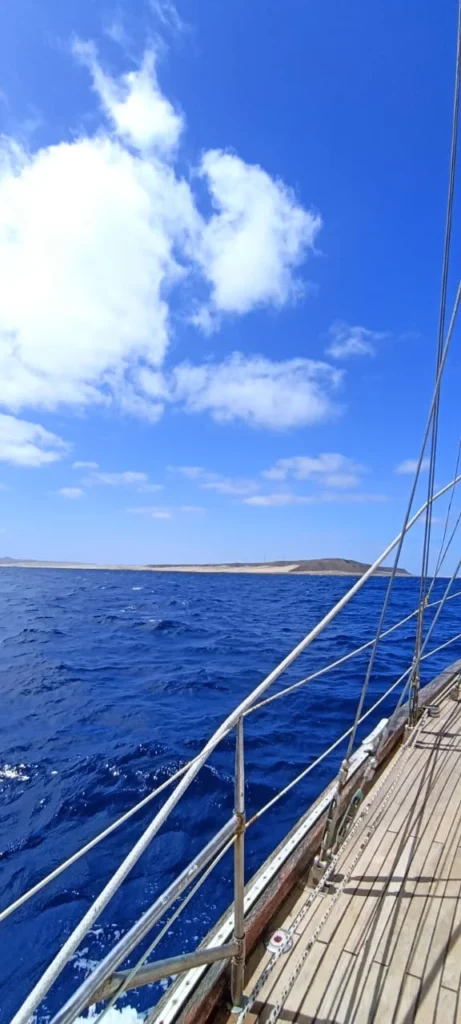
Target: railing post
238, 961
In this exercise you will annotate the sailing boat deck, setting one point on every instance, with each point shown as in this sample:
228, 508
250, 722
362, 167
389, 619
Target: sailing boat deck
391, 948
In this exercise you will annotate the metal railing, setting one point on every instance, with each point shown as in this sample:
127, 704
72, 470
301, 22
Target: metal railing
106, 981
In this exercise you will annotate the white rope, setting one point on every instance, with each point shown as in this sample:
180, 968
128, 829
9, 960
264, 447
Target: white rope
89, 846
448, 545
345, 657
442, 553
433, 412
441, 329
164, 930
337, 742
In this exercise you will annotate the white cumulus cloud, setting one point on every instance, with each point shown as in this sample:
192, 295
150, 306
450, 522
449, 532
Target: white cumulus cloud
28, 444
97, 232
346, 341
262, 392
256, 238
411, 465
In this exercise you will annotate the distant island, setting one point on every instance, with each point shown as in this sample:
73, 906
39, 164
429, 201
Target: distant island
306, 566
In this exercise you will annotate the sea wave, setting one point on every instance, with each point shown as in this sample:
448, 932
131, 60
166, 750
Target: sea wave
108, 689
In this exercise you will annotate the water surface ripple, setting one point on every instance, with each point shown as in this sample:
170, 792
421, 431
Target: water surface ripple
110, 681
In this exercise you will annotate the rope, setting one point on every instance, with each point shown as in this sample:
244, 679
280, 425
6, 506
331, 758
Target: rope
341, 661
407, 520
89, 846
142, 803
126, 982
441, 329
123, 987
337, 742
439, 609
405, 748
453, 532
441, 557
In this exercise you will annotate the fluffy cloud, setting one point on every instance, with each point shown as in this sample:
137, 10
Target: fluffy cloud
71, 492
87, 231
262, 392
140, 114
98, 232
84, 465
256, 238
411, 465
330, 469
28, 444
346, 341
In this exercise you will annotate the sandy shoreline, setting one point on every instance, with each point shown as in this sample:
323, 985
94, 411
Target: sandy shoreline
268, 570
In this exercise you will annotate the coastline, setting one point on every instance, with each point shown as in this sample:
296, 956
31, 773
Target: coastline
288, 569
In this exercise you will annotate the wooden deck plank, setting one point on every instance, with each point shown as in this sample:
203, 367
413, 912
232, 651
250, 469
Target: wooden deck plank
447, 1007
391, 948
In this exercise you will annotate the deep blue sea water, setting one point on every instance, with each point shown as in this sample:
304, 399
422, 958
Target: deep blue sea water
110, 681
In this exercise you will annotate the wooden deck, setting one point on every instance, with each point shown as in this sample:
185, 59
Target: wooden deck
390, 950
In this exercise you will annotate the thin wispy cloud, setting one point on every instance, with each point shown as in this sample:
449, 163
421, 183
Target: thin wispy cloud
84, 465
71, 492
167, 13
353, 498
283, 498
330, 469
154, 511
279, 499
410, 466
150, 488
209, 481
127, 478
162, 512
347, 342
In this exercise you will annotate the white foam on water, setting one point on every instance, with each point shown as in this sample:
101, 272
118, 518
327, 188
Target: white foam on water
127, 1015
14, 771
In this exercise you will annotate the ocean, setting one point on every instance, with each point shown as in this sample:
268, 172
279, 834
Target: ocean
110, 681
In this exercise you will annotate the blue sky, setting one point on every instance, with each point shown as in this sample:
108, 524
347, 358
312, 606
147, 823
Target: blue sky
221, 231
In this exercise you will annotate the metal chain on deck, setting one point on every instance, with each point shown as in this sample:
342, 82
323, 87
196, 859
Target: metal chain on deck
406, 748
